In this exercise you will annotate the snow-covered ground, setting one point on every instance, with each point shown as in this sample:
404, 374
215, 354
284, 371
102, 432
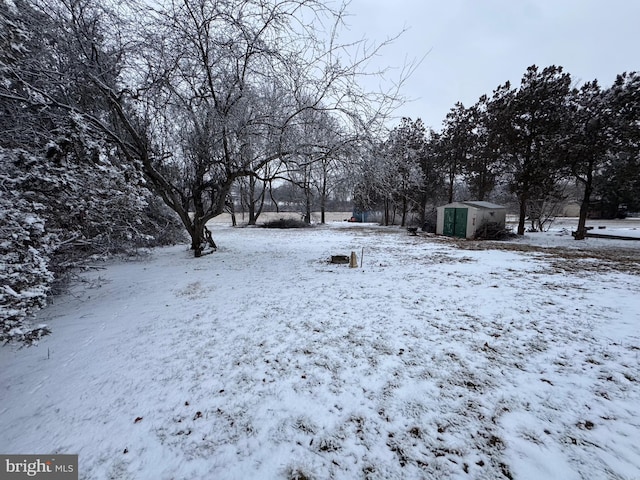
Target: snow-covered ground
434, 358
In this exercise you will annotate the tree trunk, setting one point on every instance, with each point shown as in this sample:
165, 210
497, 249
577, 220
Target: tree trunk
481, 186
581, 231
452, 180
523, 214
261, 205
273, 200
307, 212
386, 212
255, 204
231, 208
423, 213
404, 211
197, 235
251, 201
323, 199
200, 237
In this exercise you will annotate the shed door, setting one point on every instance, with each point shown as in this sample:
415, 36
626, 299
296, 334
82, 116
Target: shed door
449, 222
461, 223
455, 222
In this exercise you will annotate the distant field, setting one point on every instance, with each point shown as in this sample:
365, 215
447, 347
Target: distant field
512, 220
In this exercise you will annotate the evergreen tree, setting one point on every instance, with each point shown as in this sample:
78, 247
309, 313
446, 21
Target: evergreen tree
620, 180
482, 166
588, 143
528, 126
456, 144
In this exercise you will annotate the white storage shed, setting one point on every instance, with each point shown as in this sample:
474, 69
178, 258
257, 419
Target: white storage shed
463, 219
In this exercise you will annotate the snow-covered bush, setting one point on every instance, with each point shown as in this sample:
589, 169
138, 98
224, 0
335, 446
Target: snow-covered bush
25, 246
60, 210
66, 195
96, 206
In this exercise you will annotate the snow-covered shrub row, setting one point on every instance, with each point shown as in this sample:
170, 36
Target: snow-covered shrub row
25, 246
66, 195
59, 210
99, 205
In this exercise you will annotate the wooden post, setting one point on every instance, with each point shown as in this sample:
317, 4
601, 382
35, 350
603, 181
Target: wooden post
353, 262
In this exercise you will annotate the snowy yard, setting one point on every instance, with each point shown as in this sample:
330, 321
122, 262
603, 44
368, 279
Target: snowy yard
435, 359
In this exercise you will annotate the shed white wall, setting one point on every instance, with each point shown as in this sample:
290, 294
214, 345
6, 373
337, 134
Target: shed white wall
485, 215
440, 221
472, 220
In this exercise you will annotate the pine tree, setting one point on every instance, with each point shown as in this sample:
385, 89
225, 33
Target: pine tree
620, 180
527, 127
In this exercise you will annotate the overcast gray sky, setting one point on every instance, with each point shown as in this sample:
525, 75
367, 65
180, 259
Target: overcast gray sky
476, 45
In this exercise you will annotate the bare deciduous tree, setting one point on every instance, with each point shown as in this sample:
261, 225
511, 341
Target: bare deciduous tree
202, 92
